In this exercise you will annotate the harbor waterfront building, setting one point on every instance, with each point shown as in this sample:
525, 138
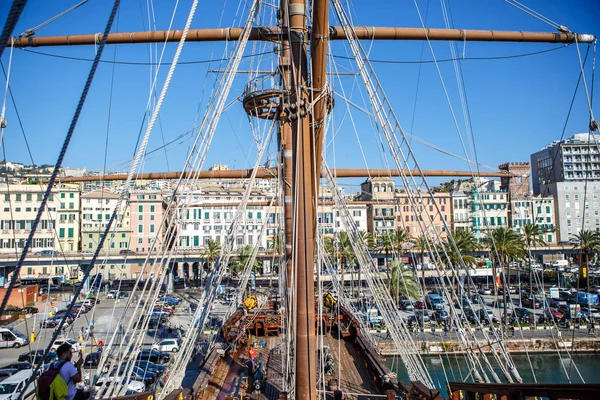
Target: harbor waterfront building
147, 212
569, 171
97, 208
479, 205
525, 208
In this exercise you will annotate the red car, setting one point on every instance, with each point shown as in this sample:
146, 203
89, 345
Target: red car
555, 313
420, 305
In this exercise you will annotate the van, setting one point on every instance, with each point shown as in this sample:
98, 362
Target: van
435, 301
13, 387
10, 337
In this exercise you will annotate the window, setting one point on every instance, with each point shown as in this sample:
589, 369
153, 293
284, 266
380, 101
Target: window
151, 208
6, 197
140, 208
62, 195
206, 215
140, 240
61, 233
152, 228
140, 217
152, 218
141, 228
70, 233
71, 195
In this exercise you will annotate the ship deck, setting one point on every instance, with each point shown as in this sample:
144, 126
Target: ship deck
227, 377
350, 371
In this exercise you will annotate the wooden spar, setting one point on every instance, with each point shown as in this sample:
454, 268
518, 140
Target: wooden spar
274, 33
270, 173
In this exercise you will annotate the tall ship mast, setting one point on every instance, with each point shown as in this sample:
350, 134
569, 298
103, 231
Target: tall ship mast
291, 105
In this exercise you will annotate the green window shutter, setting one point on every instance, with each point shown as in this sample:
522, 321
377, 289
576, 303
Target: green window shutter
70, 232
151, 208
141, 208
61, 233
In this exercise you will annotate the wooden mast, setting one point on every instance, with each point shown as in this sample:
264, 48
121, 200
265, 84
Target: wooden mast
303, 192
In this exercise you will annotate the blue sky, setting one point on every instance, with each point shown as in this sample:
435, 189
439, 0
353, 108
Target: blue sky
516, 105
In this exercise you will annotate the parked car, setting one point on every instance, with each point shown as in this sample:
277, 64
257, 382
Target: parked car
485, 290
29, 310
589, 312
6, 372
553, 313
75, 345
486, 316
18, 366
167, 345
406, 305
112, 294
36, 356
522, 315
419, 305
53, 322
126, 251
150, 366
92, 359
14, 386
170, 300
138, 374
154, 355
440, 316
531, 302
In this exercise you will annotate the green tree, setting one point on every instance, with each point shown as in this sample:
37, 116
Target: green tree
532, 237
242, 258
402, 282
210, 252
589, 243
459, 245
507, 245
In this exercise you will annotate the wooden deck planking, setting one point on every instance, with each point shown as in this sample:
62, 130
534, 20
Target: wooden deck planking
352, 374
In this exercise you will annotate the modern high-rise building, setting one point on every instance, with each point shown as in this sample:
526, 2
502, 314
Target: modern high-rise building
569, 170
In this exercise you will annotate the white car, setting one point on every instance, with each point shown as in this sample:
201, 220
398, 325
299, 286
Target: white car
166, 345
74, 344
132, 386
13, 387
112, 294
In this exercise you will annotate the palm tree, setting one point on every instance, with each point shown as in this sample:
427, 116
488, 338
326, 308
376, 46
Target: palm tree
399, 238
385, 244
532, 237
241, 259
368, 242
456, 250
589, 243
457, 246
211, 251
508, 245
402, 282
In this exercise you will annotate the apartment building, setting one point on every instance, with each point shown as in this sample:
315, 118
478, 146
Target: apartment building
424, 213
147, 211
97, 208
207, 214
569, 171
58, 228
